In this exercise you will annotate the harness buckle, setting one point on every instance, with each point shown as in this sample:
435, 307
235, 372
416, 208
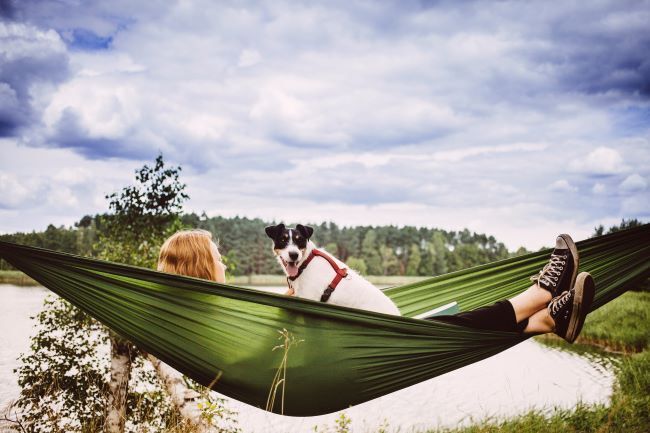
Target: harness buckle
327, 293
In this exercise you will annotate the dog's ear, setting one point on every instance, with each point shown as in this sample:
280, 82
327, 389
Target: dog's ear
306, 231
272, 231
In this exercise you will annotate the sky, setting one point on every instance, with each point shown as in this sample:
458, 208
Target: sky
517, 119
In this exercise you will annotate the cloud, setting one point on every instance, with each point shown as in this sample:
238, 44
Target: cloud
633, 183
601, 161
363, 79
13, 193
562, 185
30, 60
598, 188
39, 186
636, 207
249, 58
70, 133
269, 107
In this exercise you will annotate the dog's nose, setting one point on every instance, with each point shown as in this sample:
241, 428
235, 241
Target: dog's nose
293, 256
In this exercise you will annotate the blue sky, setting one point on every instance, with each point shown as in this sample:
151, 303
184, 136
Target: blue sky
519, 119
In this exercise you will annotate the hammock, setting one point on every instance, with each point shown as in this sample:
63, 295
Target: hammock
346, 356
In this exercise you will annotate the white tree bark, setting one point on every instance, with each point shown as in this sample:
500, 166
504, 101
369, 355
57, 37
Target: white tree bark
118, 387
183, 398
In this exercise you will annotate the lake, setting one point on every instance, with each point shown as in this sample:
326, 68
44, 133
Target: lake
527, 376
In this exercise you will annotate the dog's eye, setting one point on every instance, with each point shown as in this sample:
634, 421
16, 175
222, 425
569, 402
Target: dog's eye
297, 237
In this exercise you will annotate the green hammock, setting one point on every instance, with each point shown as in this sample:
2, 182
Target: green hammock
213, 331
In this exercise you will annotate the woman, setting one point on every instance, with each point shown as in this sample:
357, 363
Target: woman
192, 253
558, 301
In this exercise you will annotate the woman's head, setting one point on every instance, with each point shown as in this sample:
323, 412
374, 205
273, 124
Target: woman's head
192, 253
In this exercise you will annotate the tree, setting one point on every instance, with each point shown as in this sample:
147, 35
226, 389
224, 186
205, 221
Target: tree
439, 253
521, 251
332, 248
71, 347
357, 264
464, 256
370, 253
62, 378
625, 224
143, 215
389, 261
414, 258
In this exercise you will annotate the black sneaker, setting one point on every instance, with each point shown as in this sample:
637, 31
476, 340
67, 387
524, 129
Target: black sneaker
559, 274
570, 309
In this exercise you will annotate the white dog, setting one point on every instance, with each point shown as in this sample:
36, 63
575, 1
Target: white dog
315, 274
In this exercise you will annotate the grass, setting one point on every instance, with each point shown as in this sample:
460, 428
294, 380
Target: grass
628, 412
16, 278
621, 325
19, 279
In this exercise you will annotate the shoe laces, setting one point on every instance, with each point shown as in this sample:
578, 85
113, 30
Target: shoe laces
551, 272
559, 302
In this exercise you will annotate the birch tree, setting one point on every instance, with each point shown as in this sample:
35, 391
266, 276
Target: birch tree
63, 379
142, 216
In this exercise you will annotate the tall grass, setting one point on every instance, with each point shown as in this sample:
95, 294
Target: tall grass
622, 324
16, 278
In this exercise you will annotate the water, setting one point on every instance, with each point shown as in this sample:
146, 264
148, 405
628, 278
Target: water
17, 305
527, 376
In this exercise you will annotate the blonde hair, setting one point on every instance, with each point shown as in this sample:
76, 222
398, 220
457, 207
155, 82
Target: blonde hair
189, 252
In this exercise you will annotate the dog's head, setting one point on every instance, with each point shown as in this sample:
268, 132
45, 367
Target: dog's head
290, 245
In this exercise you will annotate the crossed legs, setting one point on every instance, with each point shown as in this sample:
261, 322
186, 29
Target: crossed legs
531, 304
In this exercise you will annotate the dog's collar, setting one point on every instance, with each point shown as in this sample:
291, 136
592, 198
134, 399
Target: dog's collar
340, 273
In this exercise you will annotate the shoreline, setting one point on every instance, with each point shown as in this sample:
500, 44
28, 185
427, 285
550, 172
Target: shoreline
20, 279
17, 278
627, 410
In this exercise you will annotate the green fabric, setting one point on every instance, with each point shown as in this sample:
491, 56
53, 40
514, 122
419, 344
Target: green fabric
208, 330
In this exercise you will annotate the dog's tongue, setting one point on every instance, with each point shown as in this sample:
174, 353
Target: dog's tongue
292, 269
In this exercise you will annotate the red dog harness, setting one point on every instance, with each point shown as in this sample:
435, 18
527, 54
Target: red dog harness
340, 273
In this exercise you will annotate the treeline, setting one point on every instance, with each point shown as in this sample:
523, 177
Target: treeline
378, 250
372, 250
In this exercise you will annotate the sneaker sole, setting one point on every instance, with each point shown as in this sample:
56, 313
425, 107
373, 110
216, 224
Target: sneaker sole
585, 289
576, 258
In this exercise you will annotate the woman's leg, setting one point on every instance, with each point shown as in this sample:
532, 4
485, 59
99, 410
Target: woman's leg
510, 316
567, 312
540, 323
564, 315
558, 276
499, 316
530, 302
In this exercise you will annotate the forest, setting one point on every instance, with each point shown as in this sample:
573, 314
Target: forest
371, 250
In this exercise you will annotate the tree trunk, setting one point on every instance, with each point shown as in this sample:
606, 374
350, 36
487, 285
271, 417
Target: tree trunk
118, 387
184, 399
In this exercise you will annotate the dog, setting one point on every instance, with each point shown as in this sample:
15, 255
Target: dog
313, 273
